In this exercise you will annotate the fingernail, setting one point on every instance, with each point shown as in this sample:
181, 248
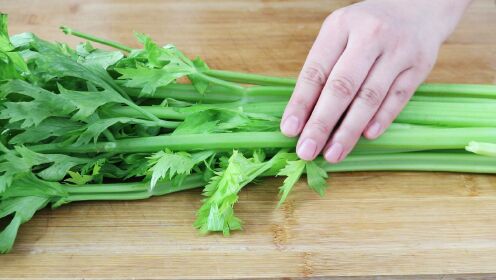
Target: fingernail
307, 149
334, 153
290, 126
374, 130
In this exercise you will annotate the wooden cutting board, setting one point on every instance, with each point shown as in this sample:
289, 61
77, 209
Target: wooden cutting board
437, 224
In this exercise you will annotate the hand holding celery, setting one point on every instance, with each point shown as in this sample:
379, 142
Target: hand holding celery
89, 124
365, 64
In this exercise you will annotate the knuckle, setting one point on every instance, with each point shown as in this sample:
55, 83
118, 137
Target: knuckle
320, 125
386, 115
402, 94
371, 96
424, 58
378, 26
341, 87
397, 42
419, 56
348, 134
337, 15
314, 73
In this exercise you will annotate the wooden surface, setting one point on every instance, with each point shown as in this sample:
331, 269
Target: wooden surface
437, 224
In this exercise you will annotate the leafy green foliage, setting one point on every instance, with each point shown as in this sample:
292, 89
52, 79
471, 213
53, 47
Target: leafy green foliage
48, 128
88, 55
216, 212
80, 178
51, 167
22, 199
316, 177
12, 64
149, 79
69, 119
168, 164
293, 171
87, 102
23, 209
44, 104
201, 85
155, 66
225, 120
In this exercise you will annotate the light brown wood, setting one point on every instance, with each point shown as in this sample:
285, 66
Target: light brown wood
368, 224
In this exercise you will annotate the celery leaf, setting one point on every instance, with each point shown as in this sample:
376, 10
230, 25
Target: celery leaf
168, 164
216, 212
316, 177
293, 171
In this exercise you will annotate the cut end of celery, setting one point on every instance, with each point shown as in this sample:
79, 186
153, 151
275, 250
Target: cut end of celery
486, 149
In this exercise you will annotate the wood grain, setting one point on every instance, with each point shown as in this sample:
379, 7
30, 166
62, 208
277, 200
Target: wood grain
439, 225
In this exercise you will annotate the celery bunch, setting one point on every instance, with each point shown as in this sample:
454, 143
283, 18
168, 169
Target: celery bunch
89, 124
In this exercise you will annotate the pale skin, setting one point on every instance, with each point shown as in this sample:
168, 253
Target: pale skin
362, 69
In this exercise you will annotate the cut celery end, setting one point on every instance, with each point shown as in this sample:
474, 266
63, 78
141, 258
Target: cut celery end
481, 148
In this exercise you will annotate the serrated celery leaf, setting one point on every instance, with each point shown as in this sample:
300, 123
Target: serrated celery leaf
216, 212
155, 66
200, 84
11, 62
47, 104
101, 58
96, 127
28, 184
149, 79
57, 61
293, 171
78, 178
44, 104
223, 120
316, 178
50, 127
168, 164
23, 209
26, 195
87, 102
23, 160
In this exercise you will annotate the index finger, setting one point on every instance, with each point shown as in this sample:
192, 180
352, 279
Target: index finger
327, 48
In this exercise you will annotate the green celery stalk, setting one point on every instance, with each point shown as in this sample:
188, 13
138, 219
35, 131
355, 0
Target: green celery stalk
130, 191
246, 78
417, 161
486, 149
415, 139
70, 31
451, 99
167, 113
216, 94
438, 89
458, 90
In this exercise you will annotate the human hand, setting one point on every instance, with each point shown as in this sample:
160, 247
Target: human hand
362, 69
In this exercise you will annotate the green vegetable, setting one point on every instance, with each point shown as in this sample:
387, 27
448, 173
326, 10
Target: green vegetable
84, 123
486, 149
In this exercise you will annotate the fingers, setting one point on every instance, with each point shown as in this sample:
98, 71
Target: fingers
323, 55
398, 96
364, 107
344, 81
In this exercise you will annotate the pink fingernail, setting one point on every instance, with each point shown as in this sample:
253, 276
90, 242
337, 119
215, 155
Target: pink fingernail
290, 126
334, 153
307, 149
374, 130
